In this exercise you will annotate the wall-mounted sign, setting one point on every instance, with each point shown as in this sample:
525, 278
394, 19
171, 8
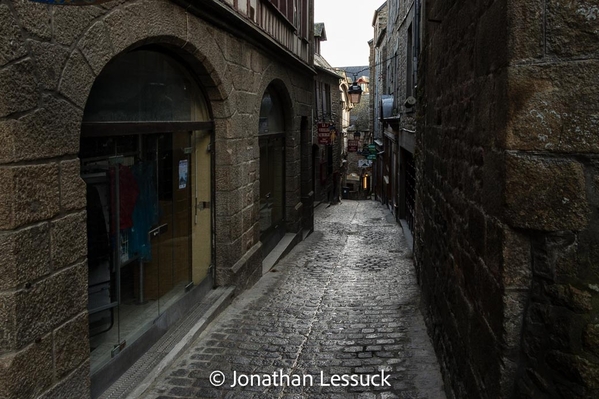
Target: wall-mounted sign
183, 173
333, 132
364, 163
71, 2
352, 145
324, 133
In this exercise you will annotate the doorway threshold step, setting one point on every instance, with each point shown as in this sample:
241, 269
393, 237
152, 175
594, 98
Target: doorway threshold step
276, 254
167, 349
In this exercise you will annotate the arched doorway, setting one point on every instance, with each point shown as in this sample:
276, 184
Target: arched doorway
146, 162
272, 169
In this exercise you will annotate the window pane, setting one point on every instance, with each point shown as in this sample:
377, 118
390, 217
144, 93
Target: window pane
271, 114
145, 86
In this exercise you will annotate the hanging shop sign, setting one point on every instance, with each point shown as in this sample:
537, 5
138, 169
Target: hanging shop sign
352, 145
364, 163
70, 2
369, 151
333, 132
324, 133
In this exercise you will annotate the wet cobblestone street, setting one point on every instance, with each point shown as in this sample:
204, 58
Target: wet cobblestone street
342, 302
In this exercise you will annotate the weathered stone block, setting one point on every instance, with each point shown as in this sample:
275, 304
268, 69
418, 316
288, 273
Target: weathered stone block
250, 171
232, 49
223, 149
491, 28
166, 19
526, 37
7, 138
246, 103
71, 345
483, 359
250, 217
228, 178
69, 239
545, 195
591, 338
47, 132
126, 27
76, 385
27, 373
246, 59
229, 227
551, 107
25, 255
242, 125
571, 28
8, 321
77, 79
50, 59
72, 186
49, 303
517, 271
95, 46
19, 88
29, 194
575, 368
555, 256
11, 41
514, 303
35, 18
569, 296
71, 22
207, 41
7, 194
228, 202
229, 253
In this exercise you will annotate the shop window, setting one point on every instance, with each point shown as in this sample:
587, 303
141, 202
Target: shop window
145, 86
272, 168
142, 118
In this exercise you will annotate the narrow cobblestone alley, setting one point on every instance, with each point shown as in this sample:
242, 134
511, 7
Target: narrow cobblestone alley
343, 302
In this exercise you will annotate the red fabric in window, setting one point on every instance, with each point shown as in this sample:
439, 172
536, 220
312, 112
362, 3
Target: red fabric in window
128, 193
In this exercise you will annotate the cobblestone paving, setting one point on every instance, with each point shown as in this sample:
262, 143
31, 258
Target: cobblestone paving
343, 302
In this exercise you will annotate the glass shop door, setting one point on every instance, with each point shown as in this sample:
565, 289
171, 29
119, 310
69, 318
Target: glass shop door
139, 235
171, 236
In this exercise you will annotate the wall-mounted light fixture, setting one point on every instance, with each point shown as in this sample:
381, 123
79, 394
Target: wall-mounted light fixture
355, 92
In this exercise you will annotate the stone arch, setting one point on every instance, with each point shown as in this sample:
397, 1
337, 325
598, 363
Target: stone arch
282, 83
147, 23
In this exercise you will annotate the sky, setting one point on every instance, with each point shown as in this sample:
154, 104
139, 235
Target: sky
348, 24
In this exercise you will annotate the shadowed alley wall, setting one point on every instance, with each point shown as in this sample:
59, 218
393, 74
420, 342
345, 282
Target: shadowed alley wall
507, 230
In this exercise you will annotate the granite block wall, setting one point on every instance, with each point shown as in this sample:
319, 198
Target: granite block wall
507, 216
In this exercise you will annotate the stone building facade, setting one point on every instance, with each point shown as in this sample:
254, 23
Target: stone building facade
507, 217
378, 53
328, 109
215, 154
395, 50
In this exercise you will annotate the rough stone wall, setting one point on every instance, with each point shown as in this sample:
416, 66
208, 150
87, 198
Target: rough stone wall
406, 19
49, 59
324, 190
507, 217
552, 191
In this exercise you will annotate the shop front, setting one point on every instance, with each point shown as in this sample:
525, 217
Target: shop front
146, 161
272, 169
